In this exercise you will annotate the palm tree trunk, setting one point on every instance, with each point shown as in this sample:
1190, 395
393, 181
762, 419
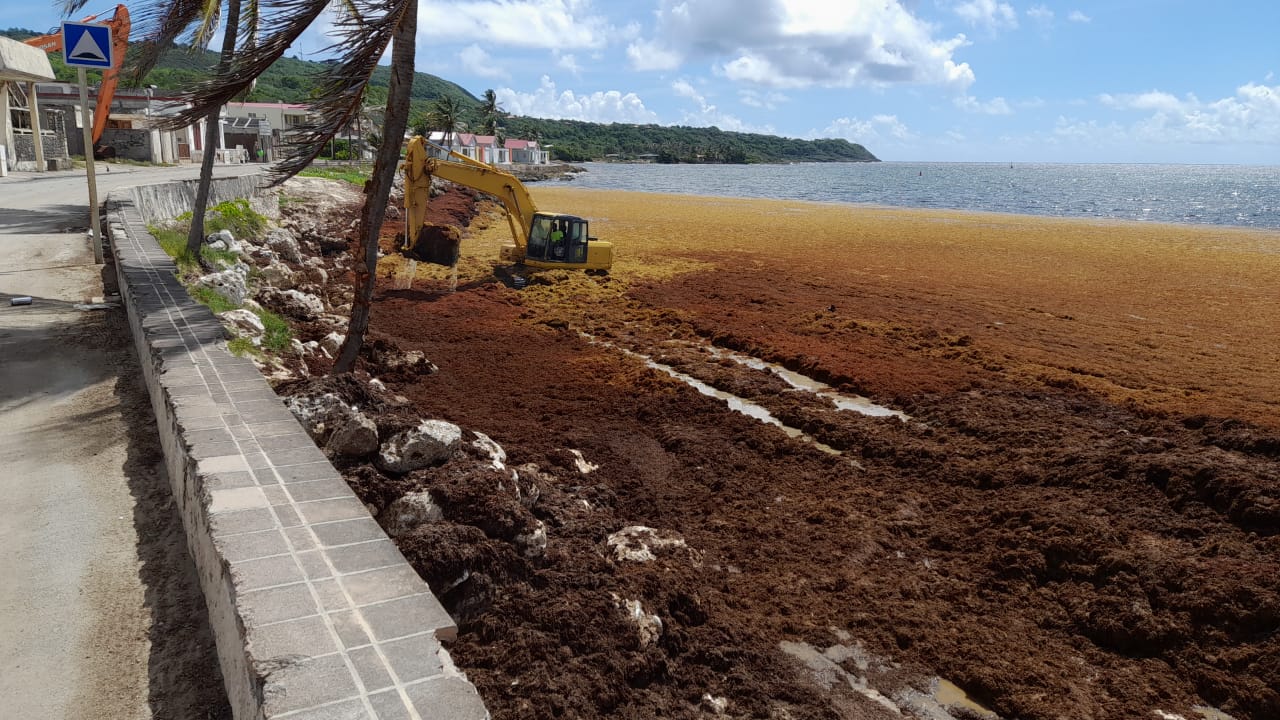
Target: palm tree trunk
195, 237
379, 188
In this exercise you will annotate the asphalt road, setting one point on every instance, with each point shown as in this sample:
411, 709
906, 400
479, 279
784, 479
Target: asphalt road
100, 613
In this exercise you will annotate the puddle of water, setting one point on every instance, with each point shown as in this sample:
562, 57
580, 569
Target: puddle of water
852, 403
949, 694
735, 403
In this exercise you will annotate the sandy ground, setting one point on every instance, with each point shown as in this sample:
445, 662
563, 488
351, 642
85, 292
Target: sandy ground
100, 613
1079, 519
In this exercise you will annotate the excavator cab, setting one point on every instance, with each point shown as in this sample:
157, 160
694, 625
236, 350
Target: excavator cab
557, 238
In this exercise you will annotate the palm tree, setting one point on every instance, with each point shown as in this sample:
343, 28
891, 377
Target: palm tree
379, 188
491, 111
444, 116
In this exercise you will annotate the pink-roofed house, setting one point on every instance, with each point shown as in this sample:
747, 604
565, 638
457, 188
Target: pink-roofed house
491, 152
526, 151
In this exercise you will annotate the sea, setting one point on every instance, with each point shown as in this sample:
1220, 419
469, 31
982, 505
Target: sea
1239, 195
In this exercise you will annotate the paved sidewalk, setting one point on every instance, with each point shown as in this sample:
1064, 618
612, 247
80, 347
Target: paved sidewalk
100, 614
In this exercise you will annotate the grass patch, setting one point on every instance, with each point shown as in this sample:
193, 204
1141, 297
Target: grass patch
278, 335
241, 346
215, 302
357, 175
234, 215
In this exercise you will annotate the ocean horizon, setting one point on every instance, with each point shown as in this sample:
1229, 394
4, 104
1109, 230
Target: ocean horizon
1227, 195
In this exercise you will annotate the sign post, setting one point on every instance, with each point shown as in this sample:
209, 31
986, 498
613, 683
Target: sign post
86, 45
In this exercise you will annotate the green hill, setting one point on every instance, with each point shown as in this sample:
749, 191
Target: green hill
292, 80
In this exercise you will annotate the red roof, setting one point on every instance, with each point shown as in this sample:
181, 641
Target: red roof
519, 145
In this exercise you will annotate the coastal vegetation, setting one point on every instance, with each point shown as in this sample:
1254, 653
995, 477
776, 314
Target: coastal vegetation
294, 80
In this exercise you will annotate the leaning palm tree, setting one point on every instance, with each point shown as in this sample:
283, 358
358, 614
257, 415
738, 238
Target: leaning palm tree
491, 111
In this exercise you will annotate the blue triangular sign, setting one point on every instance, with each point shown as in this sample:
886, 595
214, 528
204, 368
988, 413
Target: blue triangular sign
86, 45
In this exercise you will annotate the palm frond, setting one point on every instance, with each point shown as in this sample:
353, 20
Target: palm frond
362, 38
281, 23
207, 24
158, 25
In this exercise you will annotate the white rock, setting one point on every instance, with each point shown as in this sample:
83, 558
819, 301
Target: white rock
222, 236
533, 544
637, 543
410, 512
485, 444
581, 463
431, 442
230, 284
332, 342
277, 274
244, 321
648, 626
319, 414
295, 304
355, 436
296, 346
284, 244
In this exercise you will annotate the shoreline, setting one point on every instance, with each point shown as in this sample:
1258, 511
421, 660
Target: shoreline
1174, 317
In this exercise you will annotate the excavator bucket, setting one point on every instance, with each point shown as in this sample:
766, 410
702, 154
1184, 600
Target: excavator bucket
436, 244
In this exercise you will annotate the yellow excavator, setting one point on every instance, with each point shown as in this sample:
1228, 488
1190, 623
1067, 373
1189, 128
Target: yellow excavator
542, 239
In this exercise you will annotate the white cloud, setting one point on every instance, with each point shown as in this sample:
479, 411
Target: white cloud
1041, 16
477, 62
875, 130
563, 24
1078, 17
803, 43
707, 114
602, 107
568, 62
767, 101
1251, 116
647, 55
988, 14
994, 106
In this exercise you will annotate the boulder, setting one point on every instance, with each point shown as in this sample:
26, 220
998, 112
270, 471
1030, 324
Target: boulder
284, 244
293, 303
533, 544
486, 445
231, 284
225, 237
319, 414
278, 275
637, 543
430, 443
410, 512
332, 342
356, 436
244, 322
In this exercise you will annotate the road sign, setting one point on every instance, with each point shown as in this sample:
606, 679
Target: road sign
86, 45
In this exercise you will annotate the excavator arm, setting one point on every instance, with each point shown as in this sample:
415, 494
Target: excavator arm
419, 167
120, 28
542, 239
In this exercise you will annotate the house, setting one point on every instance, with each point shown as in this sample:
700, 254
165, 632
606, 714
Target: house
487, 149
131, 129
263, 126
527, 152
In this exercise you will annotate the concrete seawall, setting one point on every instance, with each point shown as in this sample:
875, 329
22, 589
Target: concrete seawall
315, 612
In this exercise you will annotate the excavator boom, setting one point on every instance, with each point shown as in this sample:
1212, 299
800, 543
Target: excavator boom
120, 28
542, 239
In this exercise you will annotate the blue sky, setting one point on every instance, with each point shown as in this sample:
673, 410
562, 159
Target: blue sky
947, 80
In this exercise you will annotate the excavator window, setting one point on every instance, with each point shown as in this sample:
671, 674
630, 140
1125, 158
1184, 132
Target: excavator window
538, 235
576, 239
